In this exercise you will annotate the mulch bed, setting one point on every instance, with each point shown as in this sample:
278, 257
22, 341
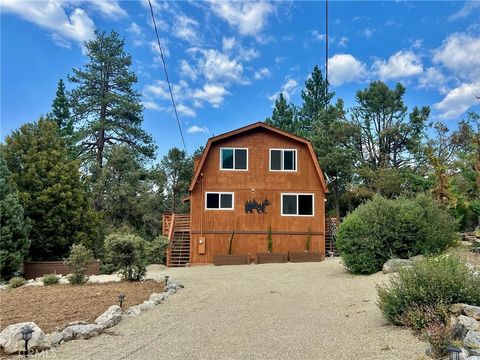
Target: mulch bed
57, 305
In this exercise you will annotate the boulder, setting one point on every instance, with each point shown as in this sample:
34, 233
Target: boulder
157, 297
133, 311
394, 265
472, 311
81, 331
462, 325
456, 309
171, 291
11, 339
55, 338
110, 317
174, 284
417, 258
472, 342
146, 305
3, 287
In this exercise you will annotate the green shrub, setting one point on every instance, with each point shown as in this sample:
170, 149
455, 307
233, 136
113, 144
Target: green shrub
16, 281
78, 261
50, 279
127, 253
382, 229
439, 337
444, 279
419, 317
157, 250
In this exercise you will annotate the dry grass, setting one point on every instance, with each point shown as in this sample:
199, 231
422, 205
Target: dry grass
464, 253
56, 305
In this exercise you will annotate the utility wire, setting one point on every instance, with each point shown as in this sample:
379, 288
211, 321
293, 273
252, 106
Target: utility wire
166, 76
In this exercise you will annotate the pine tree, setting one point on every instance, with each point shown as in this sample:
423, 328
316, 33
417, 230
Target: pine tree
61, 111
284, 116
105, 106
50, 190
14, 227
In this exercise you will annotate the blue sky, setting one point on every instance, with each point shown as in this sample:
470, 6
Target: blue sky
229, 60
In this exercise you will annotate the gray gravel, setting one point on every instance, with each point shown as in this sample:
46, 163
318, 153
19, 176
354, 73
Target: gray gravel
271, 311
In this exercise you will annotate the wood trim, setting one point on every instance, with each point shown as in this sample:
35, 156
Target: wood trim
248, 128
256, 232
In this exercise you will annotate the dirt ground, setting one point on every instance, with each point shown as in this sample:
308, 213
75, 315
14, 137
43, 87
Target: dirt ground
57, 305
468, 256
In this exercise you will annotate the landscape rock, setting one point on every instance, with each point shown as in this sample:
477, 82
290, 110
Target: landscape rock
146, 305
157, 297
3, 287
472, 311
417, 258
81, 331
133, 311
394, 265
174, 284
55, 338
11, 339
110, 317
171, 291
462, 325
456, 309
472, 342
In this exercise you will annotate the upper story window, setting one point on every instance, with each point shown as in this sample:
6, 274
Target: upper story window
219, 201
233, 159
283, 160
297, 205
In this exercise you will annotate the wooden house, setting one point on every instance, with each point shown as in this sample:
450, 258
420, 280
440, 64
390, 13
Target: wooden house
247, 181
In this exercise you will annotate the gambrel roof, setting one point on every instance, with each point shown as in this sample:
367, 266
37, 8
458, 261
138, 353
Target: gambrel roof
249, 128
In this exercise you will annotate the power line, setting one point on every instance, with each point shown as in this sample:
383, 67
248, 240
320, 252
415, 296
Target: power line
166, 76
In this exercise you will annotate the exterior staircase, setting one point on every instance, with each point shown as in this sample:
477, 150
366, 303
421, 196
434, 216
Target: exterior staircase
177, 228
331, 236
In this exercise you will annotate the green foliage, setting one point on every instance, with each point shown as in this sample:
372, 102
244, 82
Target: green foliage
61, 111
127, 253
157, 250
419, 317
129, 194
50, 279
444, 279
50, 191
178, 169
104, 103
78, 261
269, 240
308, 243
439, 337
381, 229
14, 227
284, 116
16, 281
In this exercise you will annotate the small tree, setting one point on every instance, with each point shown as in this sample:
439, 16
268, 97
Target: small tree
269, 240
157, 250
309, 240
127, 253
78, 261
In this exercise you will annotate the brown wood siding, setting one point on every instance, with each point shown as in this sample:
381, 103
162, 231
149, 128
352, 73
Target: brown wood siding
257, 183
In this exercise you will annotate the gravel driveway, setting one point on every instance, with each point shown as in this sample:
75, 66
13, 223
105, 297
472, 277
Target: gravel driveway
271, 311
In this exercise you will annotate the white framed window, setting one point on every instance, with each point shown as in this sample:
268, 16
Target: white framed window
283, 160
294, 204
234, 159
219, 200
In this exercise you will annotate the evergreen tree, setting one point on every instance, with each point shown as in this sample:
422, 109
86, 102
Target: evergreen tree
14, 227
61, 111
178, 170
315, 98
105, 106
50, 191
284, 116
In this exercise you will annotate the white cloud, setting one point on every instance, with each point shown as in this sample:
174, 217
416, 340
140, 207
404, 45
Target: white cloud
51, 15
248, 17
213, 94
466, 10
135, 29
218, 67
151, 105
288, 88
185, 28
154, 48
368, 32
343, 41
195, 129
460, 53
457, 101
345, 68
262, 73
318, 36
109, 8
432, 78
399, 65
185, 110
228, 43
186, 70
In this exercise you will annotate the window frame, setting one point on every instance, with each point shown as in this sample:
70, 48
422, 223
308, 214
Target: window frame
220, 193
282, 164
297, 194
232, 148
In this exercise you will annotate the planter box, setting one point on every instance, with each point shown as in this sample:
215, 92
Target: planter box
242, 259
34, 269
267, 258
305, 256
